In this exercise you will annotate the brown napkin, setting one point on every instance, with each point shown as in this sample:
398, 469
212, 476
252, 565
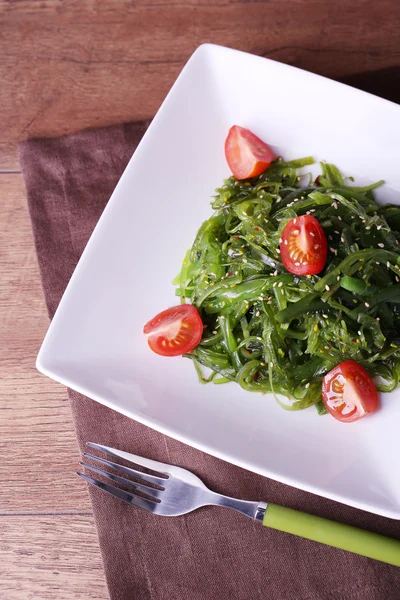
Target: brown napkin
212, 553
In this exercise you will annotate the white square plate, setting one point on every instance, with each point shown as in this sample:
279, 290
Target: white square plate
95, 343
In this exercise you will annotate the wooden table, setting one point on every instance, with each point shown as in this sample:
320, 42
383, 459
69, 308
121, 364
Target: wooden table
66, 65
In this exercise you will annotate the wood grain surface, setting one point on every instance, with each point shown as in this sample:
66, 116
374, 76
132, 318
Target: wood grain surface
40, 558
70, 64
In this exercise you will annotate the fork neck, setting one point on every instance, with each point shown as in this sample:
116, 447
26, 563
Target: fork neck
254, 510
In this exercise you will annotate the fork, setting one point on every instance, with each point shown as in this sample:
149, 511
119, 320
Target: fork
172, 491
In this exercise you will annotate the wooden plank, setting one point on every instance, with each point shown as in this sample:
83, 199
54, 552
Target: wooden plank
8, 157
70, 65
39, 453
50, 558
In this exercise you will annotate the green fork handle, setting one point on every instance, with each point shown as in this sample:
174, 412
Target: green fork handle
338, 535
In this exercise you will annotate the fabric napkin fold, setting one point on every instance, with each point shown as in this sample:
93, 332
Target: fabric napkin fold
212, 553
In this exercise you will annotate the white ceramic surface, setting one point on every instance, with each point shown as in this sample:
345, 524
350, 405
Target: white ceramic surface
95, 343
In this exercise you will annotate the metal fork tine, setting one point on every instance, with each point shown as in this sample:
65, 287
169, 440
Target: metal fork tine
130, 484
128, 470
154, 465
148, 505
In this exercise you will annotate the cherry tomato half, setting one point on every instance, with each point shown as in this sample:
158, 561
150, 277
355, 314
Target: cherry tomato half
246, 154
174, 331
303, 246
349, 393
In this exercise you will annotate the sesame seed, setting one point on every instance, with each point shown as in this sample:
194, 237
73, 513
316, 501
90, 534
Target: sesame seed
325, 316
275, 284
388, 264
305, 262
397, 279
245, 260
275, 273
279, 220
334, 204
286, 242
280, 240
377, 262
333, 250
338, 278
316, 246
381, 245
278, 251
366, 304
379, 227
271, 364
297, 231
214, 332
339, 217
337, 233
327, 288
279, 199
368, 227
282, 291
294, 221
377, 319
312, 234
280, 284
308, 212
307, 385
258, 313
359, 332
330, 237
326, 347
